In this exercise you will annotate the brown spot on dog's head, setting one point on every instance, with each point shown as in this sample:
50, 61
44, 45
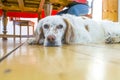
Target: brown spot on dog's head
87, 28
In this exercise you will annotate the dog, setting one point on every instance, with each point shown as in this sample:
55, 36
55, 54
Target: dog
69, 29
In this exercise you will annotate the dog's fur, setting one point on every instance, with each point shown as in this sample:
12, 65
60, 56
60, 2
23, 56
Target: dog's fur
56, 30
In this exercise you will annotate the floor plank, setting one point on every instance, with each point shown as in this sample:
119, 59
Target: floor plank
69, 62
8, 45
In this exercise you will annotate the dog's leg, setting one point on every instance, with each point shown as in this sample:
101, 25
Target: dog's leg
38, 38
112, 38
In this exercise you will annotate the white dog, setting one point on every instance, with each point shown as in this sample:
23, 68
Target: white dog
56, 30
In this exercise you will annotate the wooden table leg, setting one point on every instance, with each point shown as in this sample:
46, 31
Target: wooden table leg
4, 20
48, 9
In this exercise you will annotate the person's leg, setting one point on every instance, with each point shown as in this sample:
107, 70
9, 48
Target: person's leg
79, 9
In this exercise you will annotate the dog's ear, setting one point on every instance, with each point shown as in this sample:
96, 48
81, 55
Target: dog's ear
69, 33
38, 35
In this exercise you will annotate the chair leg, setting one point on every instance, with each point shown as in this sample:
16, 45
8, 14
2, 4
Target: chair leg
20, 31
14, 29
33, 30
28, 31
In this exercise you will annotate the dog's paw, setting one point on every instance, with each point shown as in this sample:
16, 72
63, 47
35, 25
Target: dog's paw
109, 40
32, 41
112, 39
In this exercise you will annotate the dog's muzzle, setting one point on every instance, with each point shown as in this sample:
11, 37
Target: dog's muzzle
51, 41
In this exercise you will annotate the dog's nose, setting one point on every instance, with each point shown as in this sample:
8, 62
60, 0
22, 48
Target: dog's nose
51, 38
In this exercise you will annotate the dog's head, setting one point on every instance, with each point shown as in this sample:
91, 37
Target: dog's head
53, 31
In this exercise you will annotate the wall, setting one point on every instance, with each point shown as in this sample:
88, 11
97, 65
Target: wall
97, 10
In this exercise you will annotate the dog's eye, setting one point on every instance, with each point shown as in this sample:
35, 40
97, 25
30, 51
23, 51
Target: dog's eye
59, 27
46, 26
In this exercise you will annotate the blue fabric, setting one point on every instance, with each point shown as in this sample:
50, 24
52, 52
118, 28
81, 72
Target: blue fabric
78, 10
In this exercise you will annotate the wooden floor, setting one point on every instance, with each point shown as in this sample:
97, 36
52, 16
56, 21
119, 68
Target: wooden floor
69, 62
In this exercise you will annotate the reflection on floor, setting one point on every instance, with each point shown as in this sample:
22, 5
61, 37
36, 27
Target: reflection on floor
69, 62
7, 46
